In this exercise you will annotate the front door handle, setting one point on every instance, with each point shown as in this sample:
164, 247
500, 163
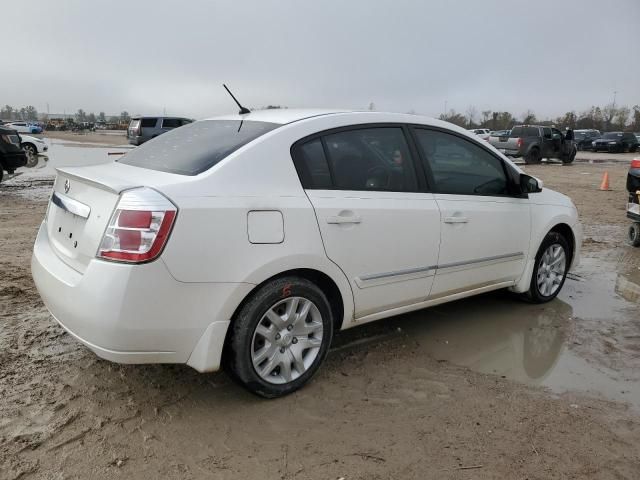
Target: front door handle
456, 219
338, 219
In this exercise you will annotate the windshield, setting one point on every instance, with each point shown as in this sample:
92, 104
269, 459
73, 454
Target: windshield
196, 147
613, 135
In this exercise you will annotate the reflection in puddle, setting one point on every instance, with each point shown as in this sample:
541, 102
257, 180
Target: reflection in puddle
536, 344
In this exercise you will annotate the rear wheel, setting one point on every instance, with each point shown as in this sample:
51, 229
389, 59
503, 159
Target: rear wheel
633, 149
550, 270
634, 234
533, 156
280, 337
1, 173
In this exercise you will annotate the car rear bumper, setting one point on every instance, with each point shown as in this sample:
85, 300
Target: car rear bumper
137, 140
136, 313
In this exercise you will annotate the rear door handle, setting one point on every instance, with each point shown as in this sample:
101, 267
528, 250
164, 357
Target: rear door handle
456, 220
341, 220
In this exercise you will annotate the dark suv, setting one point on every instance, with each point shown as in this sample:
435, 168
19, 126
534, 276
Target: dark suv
142, 129
616, 142
11, 154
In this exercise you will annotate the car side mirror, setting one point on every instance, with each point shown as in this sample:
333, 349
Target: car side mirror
529, 184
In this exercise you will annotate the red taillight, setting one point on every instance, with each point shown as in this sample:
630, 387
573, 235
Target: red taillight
139, 227
519, 143
635, 163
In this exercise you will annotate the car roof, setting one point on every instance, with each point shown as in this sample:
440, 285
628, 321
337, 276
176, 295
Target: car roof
282, 116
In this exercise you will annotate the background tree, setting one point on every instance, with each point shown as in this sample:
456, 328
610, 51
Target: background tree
529, 118
124, 117
23, 113
91, 117
101, 117
81, 116
114, 119
486, 115
608, 114
471, 112
635, 124
7, 112
454, 117
621, 117
31, 113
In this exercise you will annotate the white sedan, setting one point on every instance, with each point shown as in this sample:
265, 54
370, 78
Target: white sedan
33, 147
249, 240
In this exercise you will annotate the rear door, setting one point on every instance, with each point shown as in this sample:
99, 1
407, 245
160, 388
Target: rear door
377, 222
485, 231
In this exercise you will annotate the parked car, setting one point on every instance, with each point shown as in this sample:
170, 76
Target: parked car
499, 133
483, 133
272, 230
25, 127
534, 143
616, 142
142, 129
585, 138
33, 147
11, 154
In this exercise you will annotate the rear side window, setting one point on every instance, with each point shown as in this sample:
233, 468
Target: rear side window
196, 147
459, 167
149, 122
171, 122
311, 165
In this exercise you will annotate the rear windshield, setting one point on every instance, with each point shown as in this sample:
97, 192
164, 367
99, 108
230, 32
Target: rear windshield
196, 147
525, 132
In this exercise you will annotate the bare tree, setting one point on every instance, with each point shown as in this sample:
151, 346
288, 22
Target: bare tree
486, 114
471, 115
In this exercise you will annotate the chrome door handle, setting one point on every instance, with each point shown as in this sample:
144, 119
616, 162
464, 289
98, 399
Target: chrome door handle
337, 220
456, 220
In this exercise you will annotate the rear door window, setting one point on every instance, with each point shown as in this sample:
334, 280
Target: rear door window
459, 166
196, 147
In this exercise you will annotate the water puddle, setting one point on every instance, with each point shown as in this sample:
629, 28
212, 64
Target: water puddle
586, 340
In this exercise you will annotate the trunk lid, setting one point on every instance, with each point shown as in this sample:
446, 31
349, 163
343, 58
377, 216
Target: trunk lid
78, 213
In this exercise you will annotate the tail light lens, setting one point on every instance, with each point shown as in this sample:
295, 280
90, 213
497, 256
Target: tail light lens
139, 227
519, 143
635, 163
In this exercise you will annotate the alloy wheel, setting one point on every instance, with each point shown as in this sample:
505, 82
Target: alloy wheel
551, 270
287, 340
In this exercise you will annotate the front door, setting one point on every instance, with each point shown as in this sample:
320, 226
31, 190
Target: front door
376, 223
485, 231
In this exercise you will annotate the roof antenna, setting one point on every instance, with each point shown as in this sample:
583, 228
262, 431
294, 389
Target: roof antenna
243, 110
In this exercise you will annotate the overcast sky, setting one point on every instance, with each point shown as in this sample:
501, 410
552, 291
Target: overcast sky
146, 56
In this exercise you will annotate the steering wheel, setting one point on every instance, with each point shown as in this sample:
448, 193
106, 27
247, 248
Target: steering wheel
378, 177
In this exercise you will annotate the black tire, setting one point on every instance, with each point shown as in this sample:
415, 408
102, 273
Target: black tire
32, 154
533, 156
534, 293
634, 234
633, 149
239, 347
572, 156
1, 173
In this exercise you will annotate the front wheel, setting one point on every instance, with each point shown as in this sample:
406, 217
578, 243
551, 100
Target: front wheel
550, 270
634, 234
32, 154
280, 337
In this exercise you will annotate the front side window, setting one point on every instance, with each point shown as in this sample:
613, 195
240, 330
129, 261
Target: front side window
371, 159
196, 147
459, 166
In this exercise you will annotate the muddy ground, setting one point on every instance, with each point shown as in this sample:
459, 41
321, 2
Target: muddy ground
483, 388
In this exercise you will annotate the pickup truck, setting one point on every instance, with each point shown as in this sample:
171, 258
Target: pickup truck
534, 143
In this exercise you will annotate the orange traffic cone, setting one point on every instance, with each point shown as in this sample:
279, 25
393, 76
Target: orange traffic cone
604, 186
